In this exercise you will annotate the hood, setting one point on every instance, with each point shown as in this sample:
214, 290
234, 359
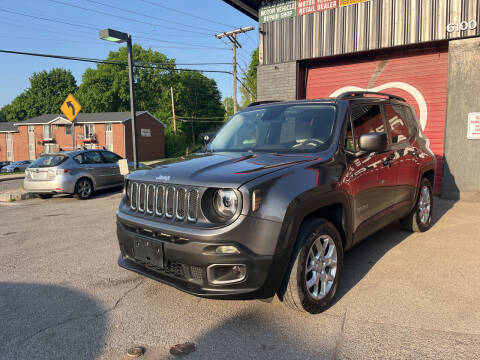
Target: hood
220, 169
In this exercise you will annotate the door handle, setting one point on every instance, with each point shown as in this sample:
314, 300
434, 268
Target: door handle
387, 161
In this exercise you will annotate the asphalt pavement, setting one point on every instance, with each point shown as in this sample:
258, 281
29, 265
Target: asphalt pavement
62, 295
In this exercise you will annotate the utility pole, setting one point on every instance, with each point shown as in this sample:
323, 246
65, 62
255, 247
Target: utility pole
173, 111
232, 36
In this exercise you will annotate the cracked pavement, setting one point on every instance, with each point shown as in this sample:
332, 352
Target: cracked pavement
62, 295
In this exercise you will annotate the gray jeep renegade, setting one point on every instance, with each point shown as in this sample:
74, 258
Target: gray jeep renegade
274, 200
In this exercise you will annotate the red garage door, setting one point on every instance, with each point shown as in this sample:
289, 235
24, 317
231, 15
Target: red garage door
420, 78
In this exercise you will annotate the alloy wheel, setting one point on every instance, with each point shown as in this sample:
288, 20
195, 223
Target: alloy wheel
424, 205
321, 267
84, 188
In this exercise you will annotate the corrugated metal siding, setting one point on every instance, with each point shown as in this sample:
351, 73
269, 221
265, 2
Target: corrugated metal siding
423, 74
366, 26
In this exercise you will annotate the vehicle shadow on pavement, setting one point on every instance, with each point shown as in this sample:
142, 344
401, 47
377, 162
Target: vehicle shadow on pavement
253, 334
49, 322
362, 257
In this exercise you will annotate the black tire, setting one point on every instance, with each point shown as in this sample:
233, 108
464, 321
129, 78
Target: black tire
83, 189
416, 220
45, 196
16, 170
297, 294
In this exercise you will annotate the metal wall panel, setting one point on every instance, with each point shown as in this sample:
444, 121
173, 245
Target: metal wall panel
365, 26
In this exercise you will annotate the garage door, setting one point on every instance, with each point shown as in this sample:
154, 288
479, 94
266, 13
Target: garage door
420, 78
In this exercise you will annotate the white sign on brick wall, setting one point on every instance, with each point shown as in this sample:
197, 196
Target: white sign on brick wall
473, 131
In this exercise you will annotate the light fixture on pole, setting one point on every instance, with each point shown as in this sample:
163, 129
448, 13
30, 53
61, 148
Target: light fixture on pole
119, 37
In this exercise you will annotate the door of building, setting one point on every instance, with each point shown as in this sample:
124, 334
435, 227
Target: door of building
31, 142
419, 76
9, 147
108, 137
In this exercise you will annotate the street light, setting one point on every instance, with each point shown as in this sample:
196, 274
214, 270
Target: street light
120, 37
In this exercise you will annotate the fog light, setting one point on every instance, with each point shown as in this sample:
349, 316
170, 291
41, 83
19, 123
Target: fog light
227, 250
223, 274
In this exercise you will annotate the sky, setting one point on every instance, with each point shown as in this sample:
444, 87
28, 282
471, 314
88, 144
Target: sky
182, 29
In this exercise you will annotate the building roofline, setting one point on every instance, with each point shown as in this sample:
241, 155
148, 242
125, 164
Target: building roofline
249, 8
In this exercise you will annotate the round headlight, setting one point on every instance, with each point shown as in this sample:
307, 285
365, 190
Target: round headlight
225, 203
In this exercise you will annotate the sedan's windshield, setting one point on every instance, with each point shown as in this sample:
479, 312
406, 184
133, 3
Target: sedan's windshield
48, 161
282, 128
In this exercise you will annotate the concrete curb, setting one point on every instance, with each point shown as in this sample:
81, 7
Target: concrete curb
11, 177
16, 196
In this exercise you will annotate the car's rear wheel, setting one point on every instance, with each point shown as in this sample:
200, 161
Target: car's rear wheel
420, 218
83, 189
317, 268
45, 196
16, 170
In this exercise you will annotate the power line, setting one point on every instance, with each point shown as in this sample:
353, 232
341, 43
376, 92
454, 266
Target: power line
110, 62
179, 43
144, 15
100, 61
186, 14
56, 21
121, 17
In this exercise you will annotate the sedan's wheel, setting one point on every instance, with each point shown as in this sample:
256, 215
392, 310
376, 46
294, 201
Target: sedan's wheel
317, 267
83, 189
16, 170
420, 218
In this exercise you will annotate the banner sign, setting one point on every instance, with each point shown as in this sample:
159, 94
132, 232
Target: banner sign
305, 7
473, 131
276, 10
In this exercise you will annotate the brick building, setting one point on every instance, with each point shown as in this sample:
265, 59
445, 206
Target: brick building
425, 51
28, 139
7, 131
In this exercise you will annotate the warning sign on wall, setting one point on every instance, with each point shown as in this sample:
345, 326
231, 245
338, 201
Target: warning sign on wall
473, 131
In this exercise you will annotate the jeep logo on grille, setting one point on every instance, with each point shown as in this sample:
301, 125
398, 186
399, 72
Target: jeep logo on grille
162, 178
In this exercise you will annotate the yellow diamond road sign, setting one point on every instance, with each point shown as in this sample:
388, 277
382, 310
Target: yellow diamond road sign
71, 107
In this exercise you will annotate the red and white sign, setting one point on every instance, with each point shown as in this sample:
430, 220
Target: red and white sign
305, 7
419, 77
473, 132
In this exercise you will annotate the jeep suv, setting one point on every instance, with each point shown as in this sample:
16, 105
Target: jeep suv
274, 200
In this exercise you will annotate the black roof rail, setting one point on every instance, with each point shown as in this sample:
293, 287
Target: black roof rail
262, 102
350, 94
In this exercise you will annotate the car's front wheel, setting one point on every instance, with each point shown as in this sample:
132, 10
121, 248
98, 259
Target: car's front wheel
317, 268
83, 189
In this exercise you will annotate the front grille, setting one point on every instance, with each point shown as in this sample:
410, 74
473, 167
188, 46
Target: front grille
162, 201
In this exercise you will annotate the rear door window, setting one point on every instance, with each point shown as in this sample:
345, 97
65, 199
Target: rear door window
397, 123
110, 157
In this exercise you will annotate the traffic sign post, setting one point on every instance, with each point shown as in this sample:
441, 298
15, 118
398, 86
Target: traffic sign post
70, 108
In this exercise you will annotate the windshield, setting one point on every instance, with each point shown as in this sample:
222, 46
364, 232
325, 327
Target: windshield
48, 161
283, 128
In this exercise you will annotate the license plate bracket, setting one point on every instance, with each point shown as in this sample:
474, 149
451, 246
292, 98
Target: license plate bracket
149, 251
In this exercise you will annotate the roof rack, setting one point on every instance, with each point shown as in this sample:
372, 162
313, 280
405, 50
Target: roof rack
349, 94
262, 102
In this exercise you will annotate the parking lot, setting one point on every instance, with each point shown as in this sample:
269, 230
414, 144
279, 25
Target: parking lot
62, 295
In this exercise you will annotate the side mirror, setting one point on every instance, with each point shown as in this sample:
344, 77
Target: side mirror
373, 142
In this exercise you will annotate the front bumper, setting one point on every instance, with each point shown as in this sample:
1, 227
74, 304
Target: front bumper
187, 258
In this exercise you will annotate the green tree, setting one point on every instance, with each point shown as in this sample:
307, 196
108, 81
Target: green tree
45, 95
198, 101
106, 88
228, 106
249, 79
